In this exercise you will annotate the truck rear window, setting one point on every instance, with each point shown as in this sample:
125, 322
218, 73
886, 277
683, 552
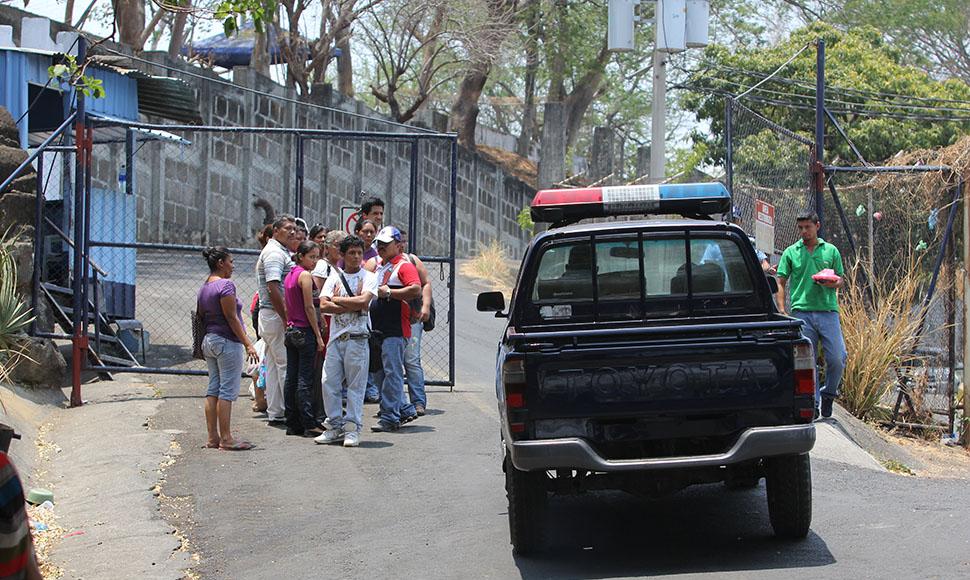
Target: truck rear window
638, 277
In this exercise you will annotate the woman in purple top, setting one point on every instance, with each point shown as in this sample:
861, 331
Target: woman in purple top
223, 346
303, 342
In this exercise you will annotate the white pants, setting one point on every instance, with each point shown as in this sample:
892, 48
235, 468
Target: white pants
271, 330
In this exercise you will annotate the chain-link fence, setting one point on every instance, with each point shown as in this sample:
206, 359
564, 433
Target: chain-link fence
892, 226
766, 162
159, 194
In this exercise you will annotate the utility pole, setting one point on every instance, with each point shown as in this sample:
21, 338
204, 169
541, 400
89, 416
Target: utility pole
658, 135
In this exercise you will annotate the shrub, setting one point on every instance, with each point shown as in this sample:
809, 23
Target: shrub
879, 322
14, 314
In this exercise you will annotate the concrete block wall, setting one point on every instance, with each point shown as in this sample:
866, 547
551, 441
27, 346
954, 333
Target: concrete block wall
203, 192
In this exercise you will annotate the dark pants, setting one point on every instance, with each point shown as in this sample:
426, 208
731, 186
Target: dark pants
297, 394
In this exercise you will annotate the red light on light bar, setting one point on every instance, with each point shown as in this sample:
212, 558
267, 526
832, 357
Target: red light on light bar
567, 196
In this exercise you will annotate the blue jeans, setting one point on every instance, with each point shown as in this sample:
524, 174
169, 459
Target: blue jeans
346, 364
412, 365
393, 407
297, 394
373, 391
224, 358
825, 328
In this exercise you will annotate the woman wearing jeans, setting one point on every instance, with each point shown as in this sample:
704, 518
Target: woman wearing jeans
303, 342
223, 346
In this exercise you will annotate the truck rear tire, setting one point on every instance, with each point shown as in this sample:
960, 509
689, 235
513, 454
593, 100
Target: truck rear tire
788, 480
527, 495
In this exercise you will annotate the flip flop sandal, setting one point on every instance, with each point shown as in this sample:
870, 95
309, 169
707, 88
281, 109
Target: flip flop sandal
210, 446
237, 446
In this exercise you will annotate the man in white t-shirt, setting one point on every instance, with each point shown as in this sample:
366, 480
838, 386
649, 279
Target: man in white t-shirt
346, 297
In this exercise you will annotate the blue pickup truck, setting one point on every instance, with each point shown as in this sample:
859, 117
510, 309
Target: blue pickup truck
647, 356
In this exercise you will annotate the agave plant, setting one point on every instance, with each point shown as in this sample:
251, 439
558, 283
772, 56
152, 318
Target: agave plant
14, 313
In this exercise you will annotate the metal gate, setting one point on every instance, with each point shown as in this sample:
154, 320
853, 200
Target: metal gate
145, 200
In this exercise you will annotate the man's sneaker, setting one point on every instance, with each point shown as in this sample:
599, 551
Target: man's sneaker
372, 400
330, 436
420, 410
408, 419
826, 407
385, 427
351, 439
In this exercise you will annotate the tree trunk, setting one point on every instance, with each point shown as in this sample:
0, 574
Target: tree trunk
583, 94
259, 61
130, 18
345, 64
464, 113
178, 33
524, 143
69, 12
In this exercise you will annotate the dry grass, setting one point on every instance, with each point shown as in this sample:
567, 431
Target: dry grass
492, 265
879, 335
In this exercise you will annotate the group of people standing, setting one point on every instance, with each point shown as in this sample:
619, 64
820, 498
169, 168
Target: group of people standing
340, 318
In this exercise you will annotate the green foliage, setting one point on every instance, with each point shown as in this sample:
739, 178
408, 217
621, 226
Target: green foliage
232, 13
69, 72
525, 221
859, 59
14, 314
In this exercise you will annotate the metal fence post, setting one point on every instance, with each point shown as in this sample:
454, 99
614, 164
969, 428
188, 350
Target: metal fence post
818, 171
413, 235
451, 256
729, 144
79, 339
299, 177
38, 242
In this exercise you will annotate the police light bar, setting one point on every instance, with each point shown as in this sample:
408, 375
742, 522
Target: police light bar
570, 205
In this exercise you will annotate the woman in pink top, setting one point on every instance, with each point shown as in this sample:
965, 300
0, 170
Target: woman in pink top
303, 342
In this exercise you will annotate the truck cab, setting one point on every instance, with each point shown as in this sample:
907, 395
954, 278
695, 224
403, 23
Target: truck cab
648, 356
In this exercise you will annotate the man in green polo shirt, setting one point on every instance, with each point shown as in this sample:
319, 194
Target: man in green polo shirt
815, 303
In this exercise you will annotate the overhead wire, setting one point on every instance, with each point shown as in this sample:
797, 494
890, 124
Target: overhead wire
833, 88
847, 111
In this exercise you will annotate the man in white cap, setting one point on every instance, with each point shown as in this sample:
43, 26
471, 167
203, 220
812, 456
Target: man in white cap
398, 282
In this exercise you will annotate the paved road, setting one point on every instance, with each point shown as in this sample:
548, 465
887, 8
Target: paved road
428, 502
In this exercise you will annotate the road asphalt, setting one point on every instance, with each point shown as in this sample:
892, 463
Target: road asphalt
429, 502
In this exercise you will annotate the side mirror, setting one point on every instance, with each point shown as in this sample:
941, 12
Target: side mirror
773, 284
491, 302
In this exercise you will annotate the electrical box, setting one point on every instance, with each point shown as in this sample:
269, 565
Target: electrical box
671, 25
698, 16
621, 17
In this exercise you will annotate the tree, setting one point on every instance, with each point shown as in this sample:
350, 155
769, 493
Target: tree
129, 17
411, 42
307, 61
482, 50
861, 68
933, 33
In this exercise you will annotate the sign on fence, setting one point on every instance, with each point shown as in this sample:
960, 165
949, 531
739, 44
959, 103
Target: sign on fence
348, 217
764, 226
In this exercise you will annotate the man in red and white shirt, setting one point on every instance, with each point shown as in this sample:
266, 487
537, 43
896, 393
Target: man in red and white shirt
398, 282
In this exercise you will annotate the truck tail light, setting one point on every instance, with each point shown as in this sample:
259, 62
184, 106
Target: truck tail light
514, 385
804, 369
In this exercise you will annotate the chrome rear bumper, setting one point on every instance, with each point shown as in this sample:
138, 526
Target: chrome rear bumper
576, 453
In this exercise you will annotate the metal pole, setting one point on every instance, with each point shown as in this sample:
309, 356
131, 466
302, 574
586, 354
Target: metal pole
966, 312
413, 236
299, 177
38, 240
658, 134
819, 126
451, 266
85, 245
729, 143
79, 340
